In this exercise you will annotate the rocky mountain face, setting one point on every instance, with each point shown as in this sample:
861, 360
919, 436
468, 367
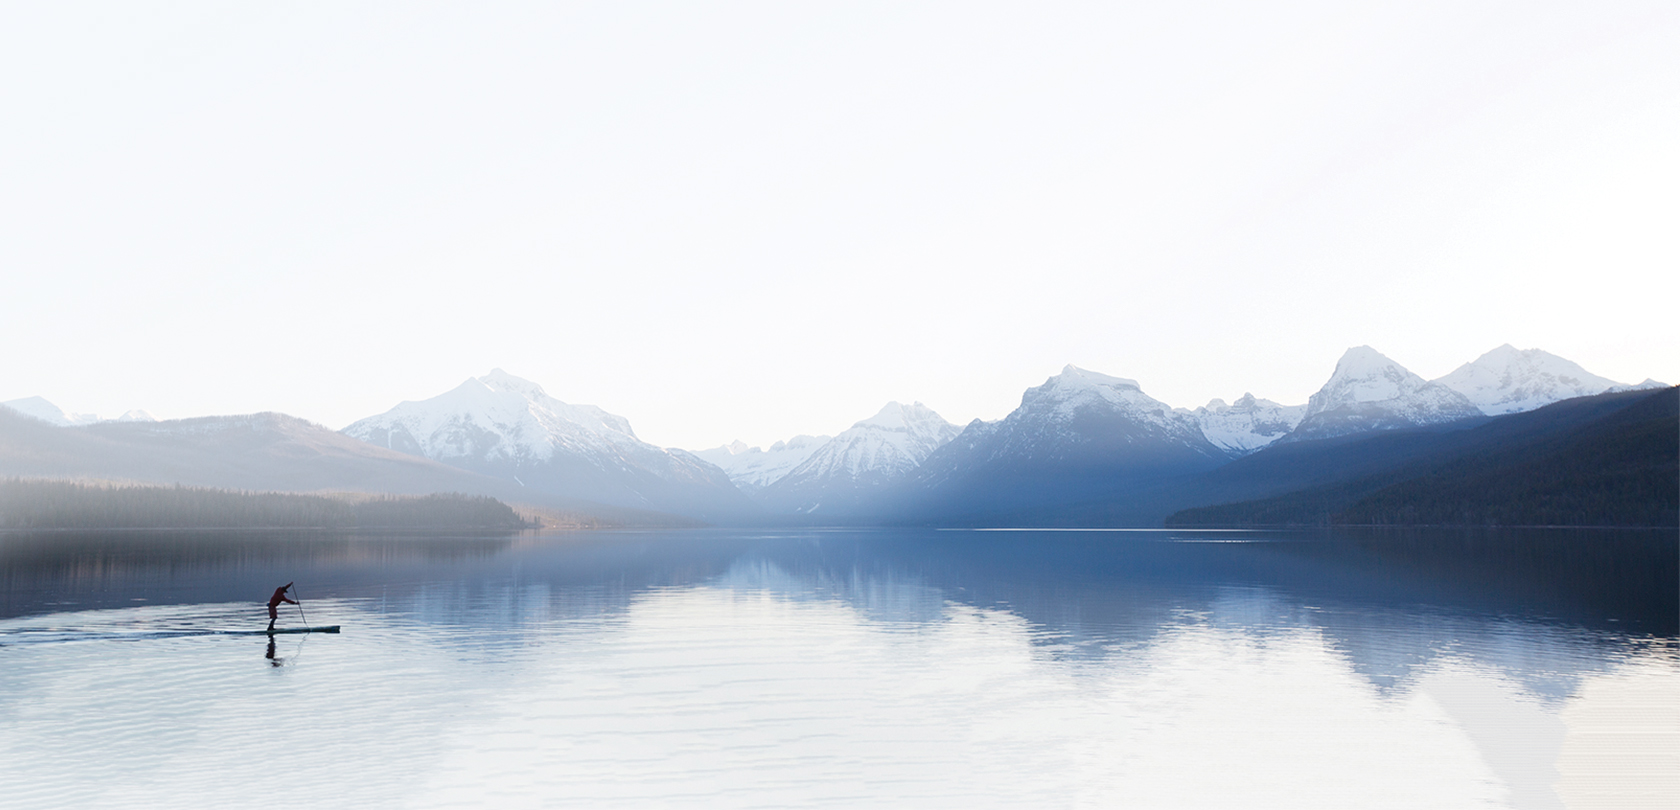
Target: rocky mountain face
753, 469
1370, 392
509, 428
849, 471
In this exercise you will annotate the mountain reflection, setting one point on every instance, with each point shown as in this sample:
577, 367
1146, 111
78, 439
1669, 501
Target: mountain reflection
1546, 607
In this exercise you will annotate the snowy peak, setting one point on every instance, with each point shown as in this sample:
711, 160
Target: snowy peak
751, 468
1102, 419
1079, 438
510, 428
915, 418
489, 417
1073, 376
1075, 387
862, 463
1368, 391
502, 382
1248, 424
1364, 375
494, 416
1510, 380
892, 442
1078, 394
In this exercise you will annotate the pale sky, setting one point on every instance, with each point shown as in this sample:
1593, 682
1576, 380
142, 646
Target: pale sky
750, 221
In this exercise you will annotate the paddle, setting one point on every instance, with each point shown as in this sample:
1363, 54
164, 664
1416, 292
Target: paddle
300, 610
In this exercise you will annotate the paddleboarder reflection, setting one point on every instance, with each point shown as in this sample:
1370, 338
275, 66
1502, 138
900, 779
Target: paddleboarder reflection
274, 604
270, 654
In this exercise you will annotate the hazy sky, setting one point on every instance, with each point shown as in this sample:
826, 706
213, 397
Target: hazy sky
754, 220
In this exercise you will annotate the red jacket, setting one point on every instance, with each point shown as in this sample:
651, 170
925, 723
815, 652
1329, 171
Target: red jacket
279, 596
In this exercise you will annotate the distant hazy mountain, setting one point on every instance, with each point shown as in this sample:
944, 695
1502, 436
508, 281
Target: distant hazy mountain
753, 469
848, 471
509, 428
1369, 392
45, 411
1247, 424
265, 451
1509, 380
1079, 435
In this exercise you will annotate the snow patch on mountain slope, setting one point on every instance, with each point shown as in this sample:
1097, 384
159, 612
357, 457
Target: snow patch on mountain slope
752, 468
1368, 391
1248, 424
1511, 380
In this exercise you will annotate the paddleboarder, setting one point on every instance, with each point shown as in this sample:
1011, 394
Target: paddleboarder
274, 603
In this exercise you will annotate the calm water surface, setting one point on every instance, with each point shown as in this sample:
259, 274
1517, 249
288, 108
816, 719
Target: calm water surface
844, 668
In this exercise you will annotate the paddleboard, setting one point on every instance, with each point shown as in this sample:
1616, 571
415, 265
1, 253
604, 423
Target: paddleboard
332, 628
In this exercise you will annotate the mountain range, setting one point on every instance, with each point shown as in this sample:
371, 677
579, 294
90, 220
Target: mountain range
1083, 447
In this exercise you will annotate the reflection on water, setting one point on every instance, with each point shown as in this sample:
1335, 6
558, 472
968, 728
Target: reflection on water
915, 668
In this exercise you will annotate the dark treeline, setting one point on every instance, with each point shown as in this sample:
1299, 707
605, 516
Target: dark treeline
35, 504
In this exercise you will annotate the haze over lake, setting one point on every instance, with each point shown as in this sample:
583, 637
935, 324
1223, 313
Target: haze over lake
1445, 668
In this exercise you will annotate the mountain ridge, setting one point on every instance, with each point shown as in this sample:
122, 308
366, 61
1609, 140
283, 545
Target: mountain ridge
1083, 443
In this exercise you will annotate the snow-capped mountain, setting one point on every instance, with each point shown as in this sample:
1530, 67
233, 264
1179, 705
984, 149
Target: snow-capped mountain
1079, 410
1248, 424
862, 459
1080, 436
1368, 392
509, 428
752, 468
45, 411
1511, 380
893, 441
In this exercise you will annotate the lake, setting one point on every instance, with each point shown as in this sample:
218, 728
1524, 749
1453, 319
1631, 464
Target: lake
900, 668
